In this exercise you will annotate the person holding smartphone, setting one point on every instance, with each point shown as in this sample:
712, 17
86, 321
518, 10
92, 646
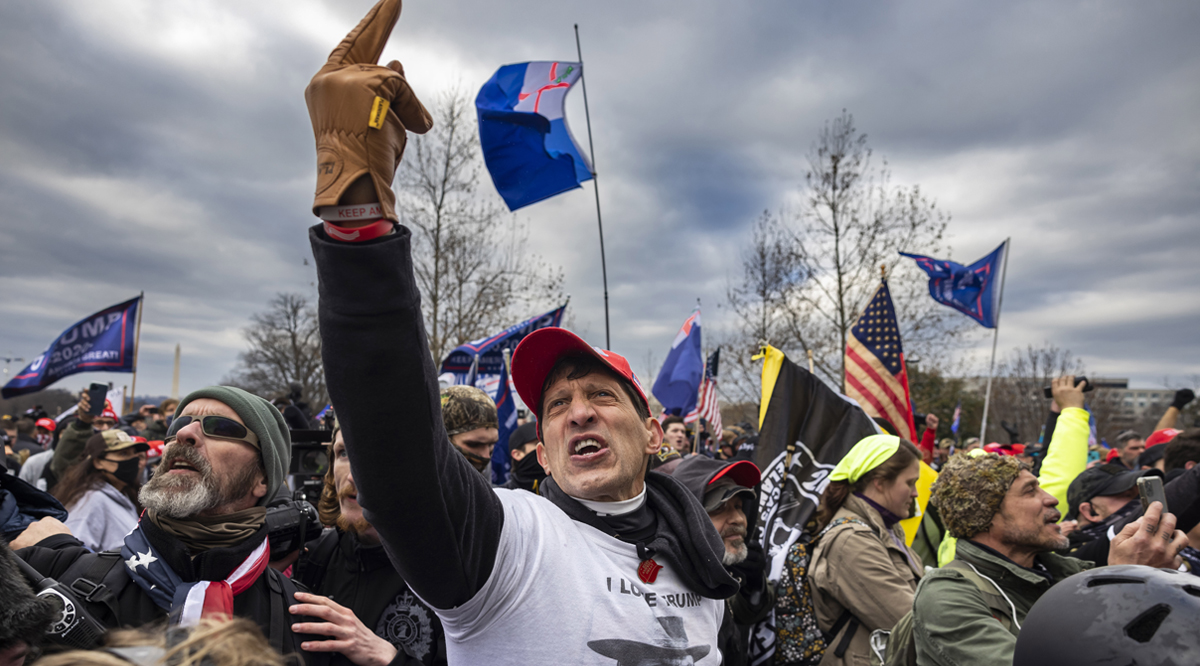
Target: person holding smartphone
74, 438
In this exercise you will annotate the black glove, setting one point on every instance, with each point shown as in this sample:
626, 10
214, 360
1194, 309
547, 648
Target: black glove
1182, 398
753, 570
1013, 435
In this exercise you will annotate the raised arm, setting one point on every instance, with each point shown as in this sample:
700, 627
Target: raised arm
1066, 455
439, 519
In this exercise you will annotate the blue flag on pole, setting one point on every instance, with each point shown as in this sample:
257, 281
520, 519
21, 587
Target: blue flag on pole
506, 414
101, 342
972, 290
957, 416
678, 382
485, 356
527, 145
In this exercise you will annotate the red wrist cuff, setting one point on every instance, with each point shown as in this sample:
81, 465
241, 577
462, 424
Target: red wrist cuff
359, 234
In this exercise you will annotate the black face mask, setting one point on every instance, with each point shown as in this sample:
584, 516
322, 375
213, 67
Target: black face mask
527, 469
127, 471
477, 461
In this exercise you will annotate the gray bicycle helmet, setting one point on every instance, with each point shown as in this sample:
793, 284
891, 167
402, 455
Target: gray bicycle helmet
1119, 615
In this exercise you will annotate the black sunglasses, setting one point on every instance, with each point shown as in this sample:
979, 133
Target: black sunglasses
215, 426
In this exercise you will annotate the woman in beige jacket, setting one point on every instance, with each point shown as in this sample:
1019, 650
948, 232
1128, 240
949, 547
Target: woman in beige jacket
863, 575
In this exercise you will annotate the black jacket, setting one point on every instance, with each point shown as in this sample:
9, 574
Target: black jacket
132, 607
361, 578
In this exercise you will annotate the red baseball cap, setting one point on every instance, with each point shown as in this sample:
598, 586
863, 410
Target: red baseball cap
1161, 436
535, 357
48, 424
742, 472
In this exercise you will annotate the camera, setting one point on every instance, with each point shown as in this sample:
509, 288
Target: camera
291, 524
310, 462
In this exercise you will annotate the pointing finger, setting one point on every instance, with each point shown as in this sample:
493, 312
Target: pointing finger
406, 106
364, 44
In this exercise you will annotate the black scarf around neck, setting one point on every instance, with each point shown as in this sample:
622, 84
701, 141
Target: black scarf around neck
684, 535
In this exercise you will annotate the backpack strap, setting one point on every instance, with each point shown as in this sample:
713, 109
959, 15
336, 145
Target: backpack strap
846, 617
1002, 608
95, 581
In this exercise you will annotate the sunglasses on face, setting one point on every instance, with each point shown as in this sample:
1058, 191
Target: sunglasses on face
214, 426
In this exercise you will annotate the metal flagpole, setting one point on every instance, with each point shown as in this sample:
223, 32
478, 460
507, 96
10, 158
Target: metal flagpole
987, 398
700, 390
137, 338
595, 187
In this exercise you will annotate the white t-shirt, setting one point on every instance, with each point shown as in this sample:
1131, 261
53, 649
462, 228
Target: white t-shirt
562, 592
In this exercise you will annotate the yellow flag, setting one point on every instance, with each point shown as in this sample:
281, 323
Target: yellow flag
910, 525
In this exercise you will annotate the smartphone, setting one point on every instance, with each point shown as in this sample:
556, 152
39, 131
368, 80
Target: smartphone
1151, 490
1087, 386
97, 394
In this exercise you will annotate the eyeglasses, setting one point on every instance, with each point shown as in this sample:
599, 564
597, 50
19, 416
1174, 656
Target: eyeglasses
214, 426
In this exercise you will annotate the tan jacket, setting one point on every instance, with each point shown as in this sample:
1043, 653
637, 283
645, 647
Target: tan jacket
862, 569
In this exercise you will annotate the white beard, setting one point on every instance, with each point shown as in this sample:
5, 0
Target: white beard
738, 556
177, 499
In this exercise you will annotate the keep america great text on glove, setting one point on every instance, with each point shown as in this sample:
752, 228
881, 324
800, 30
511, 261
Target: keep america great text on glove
360, 111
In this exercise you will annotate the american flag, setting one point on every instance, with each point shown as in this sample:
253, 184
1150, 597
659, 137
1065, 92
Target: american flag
875, 372
707, 407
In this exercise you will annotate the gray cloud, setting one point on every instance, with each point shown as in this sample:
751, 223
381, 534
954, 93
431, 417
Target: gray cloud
166, 148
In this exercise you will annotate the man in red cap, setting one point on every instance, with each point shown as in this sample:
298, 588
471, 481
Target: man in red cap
727, 489
604, 551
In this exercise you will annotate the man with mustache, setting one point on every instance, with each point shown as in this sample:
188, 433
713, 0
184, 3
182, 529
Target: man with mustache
971, 611
726, 489
604, 551
368, 613
200, 549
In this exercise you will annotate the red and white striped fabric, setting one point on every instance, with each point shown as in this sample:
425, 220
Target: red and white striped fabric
707, 407
876, 375
214, 598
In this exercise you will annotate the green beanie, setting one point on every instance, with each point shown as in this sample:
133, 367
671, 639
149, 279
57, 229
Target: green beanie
264, 420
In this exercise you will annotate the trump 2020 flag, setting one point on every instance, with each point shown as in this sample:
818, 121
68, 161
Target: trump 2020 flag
678, 382
482, 360
972, 290
527, 145
101, 342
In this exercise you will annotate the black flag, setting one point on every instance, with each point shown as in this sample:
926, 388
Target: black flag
821, 426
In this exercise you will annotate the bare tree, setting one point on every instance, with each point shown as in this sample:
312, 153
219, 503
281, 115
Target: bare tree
806, 281
771, 273
284, 349
474, 274
1017, 397
852, 222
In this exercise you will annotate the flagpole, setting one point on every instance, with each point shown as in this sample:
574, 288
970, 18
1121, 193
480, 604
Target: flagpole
987, 399
137, 338
595, 188
699, 389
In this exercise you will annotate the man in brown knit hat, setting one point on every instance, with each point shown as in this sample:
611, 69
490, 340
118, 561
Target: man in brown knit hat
971, 611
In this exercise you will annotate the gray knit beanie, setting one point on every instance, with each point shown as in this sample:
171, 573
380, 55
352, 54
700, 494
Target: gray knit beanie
264, 420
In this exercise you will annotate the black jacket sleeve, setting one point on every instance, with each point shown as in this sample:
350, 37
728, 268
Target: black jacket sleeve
1183, 498
439, 519
53, 555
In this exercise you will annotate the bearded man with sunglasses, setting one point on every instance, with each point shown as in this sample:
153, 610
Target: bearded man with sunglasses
200, 549
606, 564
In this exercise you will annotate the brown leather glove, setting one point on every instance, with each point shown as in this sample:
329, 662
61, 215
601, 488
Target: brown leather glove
359, 112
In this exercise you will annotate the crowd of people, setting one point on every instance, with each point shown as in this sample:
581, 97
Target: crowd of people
171, 535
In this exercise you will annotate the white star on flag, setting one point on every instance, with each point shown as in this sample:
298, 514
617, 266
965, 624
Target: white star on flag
143, 559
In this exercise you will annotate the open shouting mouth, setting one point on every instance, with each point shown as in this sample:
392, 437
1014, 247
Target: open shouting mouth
586, 448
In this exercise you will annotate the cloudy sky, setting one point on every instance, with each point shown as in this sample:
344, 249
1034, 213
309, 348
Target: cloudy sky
165, 148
